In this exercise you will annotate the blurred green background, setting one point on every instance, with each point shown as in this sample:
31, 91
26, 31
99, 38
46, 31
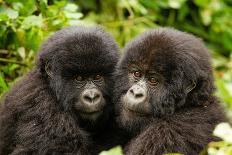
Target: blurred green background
24, 24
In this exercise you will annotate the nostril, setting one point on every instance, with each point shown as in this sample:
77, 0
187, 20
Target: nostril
96, 96
131, 91
87, 98
139, 95
136, 93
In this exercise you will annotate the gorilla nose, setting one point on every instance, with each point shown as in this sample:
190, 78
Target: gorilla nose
137, 94
91, 96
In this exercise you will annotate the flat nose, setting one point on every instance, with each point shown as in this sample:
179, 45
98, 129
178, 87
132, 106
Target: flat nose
91, 96
137, 94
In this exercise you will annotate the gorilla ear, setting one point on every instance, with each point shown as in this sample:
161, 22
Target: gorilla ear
190, 87
48, 70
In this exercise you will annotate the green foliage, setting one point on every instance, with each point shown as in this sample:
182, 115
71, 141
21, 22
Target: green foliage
23, 26
223, 131
114, 151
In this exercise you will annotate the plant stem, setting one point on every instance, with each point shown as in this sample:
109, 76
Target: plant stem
12, 61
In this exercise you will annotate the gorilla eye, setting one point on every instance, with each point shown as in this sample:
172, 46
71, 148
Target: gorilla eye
79, 78
98, 77
137, 74
153, 81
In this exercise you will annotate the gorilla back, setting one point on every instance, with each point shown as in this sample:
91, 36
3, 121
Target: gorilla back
65, 98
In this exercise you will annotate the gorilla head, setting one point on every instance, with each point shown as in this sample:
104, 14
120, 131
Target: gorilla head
77, 62
161, 71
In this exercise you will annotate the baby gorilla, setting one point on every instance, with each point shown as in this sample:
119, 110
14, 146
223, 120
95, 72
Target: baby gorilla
164, 94
64, 103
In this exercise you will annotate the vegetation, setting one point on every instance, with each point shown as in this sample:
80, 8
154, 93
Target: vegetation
114, 151
224, 131
25, 24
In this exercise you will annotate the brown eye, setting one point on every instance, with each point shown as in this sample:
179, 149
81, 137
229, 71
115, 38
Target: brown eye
153, 81
137, 74
79, 78
98, 77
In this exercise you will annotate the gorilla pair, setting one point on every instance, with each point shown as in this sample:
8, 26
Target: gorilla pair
162, 98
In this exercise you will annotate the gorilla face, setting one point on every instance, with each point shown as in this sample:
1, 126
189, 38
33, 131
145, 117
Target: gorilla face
160, 72
78, 62
91, 100
85, 94
137, 100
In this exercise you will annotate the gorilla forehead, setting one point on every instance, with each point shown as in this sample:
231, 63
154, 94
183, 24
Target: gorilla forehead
168, 47
85, 49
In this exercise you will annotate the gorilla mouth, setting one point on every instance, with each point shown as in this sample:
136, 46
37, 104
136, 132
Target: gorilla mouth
135, 112
90, 113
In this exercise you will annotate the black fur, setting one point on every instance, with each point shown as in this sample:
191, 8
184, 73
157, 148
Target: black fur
183, 119
37, 115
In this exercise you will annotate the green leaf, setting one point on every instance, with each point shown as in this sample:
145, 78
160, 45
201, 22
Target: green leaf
31, 21
43, 6
71, 7
206, 16
21, 52
223, 92
29, 6
224, 131
3, 17
202, 3
176, 4
114, 151
12, 14
3, 84
73, 15
17, 6
33, 38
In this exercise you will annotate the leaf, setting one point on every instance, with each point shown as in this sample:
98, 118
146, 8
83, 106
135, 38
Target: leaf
22, 52
224, 131
73, 15
29, 6
206, 16
17, 6
21, 36
33, 38
176, 4
43, 6
3, 17
12, 14
70, 11
202, 3
138, 7
31, 21
3, 84
223, 92
114, 151
71, 7
183, 12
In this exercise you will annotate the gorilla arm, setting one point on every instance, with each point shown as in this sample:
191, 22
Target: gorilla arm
188, 131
